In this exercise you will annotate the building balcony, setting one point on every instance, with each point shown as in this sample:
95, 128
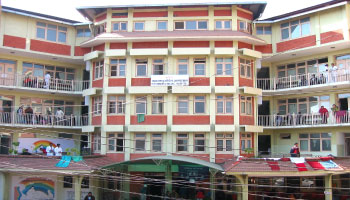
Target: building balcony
43, 121
33, 83
339, 118
304, 83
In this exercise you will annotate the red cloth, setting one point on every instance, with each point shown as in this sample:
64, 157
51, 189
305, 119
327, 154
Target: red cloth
273, 165
315, 164
301, 166
323, 111
200, 195
285, 159
326, 158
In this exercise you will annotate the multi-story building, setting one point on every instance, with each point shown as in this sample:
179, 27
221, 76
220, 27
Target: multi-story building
167, 97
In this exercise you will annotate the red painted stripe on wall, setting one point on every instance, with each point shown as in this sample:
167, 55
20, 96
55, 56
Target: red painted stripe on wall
244, 15
150, 120
49, 47
151, 14
191, 13
199, 81
224, 119
96, 120
101, 17
242, 45
140, 81
223, 44
118, 46
97, 83
264, 48
115, 119
115, 82
224, 81
185, 44
79, 51
14, 41
222, 13
191, 119
100, 47
299, 43
332, 36
145, 45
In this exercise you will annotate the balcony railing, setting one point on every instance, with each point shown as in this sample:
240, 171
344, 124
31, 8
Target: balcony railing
40, 83
12, 118
313, 119
303, 80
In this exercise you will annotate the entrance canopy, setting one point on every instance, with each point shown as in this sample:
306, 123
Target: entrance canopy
175, 160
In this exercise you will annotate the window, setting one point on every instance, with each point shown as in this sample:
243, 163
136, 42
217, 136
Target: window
140, 142
191, 25
315, 141
199, 142
139, 26
302, 105
246, 105
224, 66
182, 142
295, 29
85, 182
97, 105
118, 67
48, 106
199, 104
300, 68
182, 105
116, 104
245, 26
156, 142
162, 25
199, 67
141, 67
224, 104
158, 67
223, 24
51, 32
97, 142
83, 32
56, 72
246, 141
224, 142
116, 142
98, 69
157, 105
119, 26
182, 67
263, 30
120, 15
141, 105
68, 182
98, 29
245, 68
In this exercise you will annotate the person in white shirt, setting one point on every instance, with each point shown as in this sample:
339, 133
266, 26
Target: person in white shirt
334, 73
47, 80
58, 150
59, 116
49, 150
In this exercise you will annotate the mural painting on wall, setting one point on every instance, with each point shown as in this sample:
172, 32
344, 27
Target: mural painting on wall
38, 145
34, 188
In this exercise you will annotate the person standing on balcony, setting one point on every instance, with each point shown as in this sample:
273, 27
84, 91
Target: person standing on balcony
58, 150
294, 151
29, 114
334, 73
324, 114
47, 80
50, 150
59, 115
20, 112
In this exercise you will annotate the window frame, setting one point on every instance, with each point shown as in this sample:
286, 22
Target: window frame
200, 138
166, 24
120, 26
178, 138
180, 62
195, 101
182, 99
199, 61
224, 62
284, 26
321, 139
140, 62
97, 108
47, 28
98, 70
97, 143
119, 100
117, 65
223, 24
247, 26
224, 100
247, 102
154, 64
225, 137
156, 137
143, 27
185, 26
246, 65
264, 31
115, 138
141, 100
84, 32
248, 139
143, 139
158, 101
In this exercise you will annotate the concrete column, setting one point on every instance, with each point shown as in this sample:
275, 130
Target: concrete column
212, 103
168, 177
212, 182
125, 187
2, 186
77, 187
243, 181
328, 187
236, 137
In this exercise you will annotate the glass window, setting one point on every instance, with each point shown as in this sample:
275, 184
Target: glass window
116, 104
158, 67
156, 142
224, 142
224, 104
140, 142
191, 25
199, 142
141, 104
199, 67
117, 67
120, 26
139, 26
99, 69
224, 66
162, 25
157, 105
182, 67
199, 104
202, 25
246, 105
51, 32
182, 142
141, 67
259, 30
179, 25
182, 105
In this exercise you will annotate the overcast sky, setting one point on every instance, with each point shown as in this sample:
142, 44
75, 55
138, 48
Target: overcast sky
67, 8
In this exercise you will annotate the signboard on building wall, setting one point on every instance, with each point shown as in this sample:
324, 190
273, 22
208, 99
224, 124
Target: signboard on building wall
34, 144
192, 172
29, 188
170, 80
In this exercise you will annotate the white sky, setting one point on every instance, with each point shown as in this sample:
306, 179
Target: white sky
66, 8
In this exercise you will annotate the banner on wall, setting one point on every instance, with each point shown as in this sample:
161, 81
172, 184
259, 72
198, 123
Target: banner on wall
34, 144
29, 188
169, 80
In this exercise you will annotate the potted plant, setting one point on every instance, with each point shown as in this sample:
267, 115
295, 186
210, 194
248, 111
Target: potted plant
11, 151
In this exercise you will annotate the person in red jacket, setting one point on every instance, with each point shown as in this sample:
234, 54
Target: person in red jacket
199, 195
294, 151
324, 114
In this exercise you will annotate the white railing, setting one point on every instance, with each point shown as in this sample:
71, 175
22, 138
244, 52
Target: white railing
11, 118
313, 119
303, 80
40, 83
